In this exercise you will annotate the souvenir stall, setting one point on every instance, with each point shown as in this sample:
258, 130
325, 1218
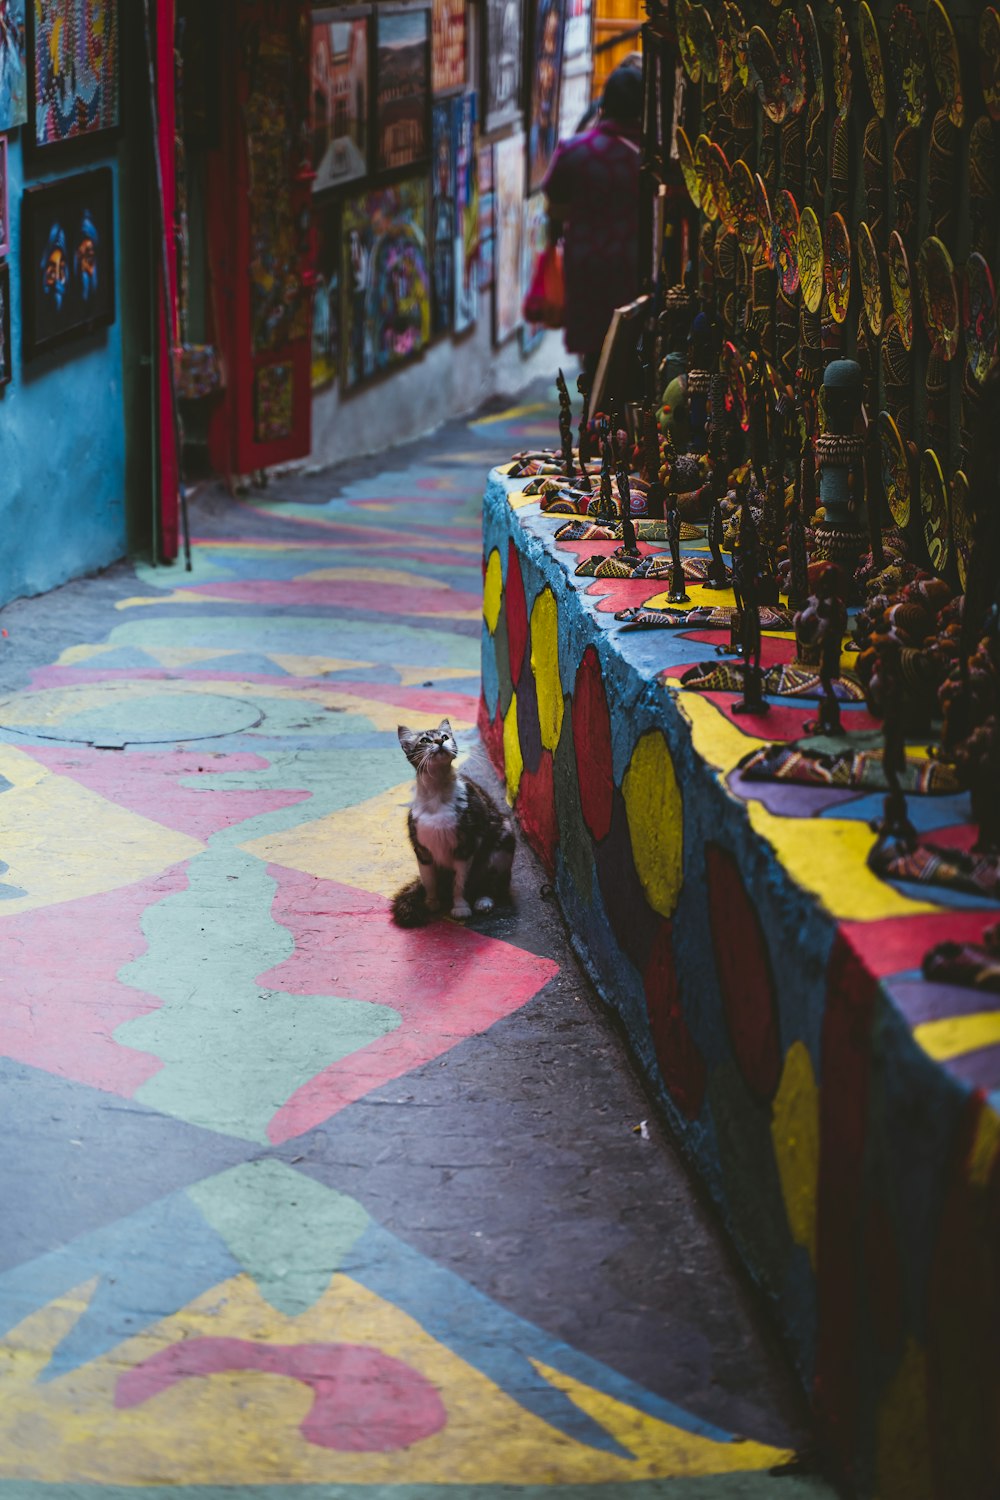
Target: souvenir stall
741, 672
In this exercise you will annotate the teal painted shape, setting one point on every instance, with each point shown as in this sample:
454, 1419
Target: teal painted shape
241, 661
8, 892
288, 1232
126, 658
151, 718
206, 567
233, 1052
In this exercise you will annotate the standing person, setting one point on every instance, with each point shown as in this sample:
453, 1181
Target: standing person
592, 192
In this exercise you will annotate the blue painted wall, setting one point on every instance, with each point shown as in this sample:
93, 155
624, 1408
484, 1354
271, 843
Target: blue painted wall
62, 436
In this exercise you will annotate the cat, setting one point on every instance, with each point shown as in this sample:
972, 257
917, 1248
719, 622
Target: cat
463, 841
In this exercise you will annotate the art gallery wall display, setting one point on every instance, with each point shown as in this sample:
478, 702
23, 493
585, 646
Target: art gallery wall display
385, 279
509, 182
546, 74
444, 217
402, 87
4, 200
14, 67
467, 212
449, 41
68, 261
75, 79
6, 353
338, 96
503, 44
326, 296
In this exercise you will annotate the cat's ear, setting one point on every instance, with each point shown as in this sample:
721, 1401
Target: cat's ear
445, 728
407, 738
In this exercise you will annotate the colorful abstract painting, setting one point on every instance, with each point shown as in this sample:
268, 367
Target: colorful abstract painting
467, 210
386, 279
448, 42
326, 298
338, 99
13, 66
444, 214
274, 407
76, 89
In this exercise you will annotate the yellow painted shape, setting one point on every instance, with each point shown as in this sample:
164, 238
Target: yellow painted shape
795, 1134
518, 500
364, 845
656, 821
63, 841
492, 590
545, 666
903, 1464
827, 856
513, 761
242, 1428
175, 596
953, 1036
391, 577
644, 1436
701, 596
984, 1148
512, 414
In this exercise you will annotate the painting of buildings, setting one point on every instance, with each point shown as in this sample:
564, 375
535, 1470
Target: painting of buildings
338, 99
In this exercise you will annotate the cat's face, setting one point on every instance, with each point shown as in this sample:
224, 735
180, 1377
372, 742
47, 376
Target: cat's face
428, 749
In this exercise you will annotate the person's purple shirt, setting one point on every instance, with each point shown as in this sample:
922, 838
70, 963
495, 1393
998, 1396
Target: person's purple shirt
593, 181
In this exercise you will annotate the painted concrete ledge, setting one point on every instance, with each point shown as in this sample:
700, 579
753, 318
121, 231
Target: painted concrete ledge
769, 986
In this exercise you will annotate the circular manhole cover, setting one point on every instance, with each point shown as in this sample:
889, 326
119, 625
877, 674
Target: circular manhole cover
115, 714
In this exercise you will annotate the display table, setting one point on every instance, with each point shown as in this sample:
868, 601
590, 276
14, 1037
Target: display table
837, 1107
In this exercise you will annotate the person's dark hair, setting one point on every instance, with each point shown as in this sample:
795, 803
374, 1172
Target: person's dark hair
622, 97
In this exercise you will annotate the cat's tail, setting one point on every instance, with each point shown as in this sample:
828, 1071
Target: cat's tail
409, 906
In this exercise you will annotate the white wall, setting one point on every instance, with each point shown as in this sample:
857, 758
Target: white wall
454, 377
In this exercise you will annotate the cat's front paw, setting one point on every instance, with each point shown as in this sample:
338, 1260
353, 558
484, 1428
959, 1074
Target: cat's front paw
461, 910
485, 903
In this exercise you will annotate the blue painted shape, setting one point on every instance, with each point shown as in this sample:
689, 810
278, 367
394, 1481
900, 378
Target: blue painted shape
111, 1157
942, 896
124, 659
490, 676
925, 813
253, 665
8, 892
62, 441
142, 1278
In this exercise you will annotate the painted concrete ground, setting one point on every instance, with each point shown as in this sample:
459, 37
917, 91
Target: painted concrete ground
292, 1198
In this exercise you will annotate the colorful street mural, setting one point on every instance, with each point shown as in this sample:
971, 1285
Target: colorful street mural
843, 1113
202, 813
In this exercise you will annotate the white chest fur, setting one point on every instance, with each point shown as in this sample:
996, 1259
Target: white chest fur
436, 817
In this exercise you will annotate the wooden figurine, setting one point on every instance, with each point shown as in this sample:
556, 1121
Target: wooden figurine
566, 426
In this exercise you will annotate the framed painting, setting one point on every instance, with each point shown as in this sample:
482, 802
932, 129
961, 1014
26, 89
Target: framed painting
68, 259
546, 75
444, 216
577, 29
449, 40
503, 44
467, 213
338, 97
75, 82
402, 87
385, 278
274, 403
13, 67
574, 102
509, 170
4, 200
326, 296
487, 216
533, 237
6, 352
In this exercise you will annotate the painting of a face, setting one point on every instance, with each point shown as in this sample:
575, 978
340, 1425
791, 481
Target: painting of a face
67, 231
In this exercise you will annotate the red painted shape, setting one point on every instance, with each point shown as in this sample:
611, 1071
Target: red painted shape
774, 651
746, 979
885, 1276
152, 785
895, 945
845, 1063
781, 722
536, 809
516, 612
342, 593
365, 1401
491, 734
446, 981
677, 1052
592, 745
63, 999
